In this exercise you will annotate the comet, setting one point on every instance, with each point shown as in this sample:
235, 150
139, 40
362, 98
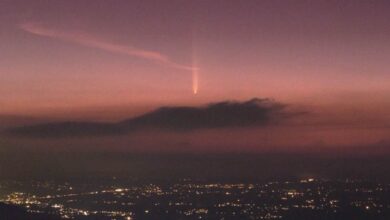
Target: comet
195, 80
195, 69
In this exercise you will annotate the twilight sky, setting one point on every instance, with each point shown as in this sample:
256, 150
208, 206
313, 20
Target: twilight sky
114, 59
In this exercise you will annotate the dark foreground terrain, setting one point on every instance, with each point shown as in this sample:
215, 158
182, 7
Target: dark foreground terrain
125, 199
13, 212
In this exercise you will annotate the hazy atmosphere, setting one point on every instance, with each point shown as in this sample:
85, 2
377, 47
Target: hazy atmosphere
325, 62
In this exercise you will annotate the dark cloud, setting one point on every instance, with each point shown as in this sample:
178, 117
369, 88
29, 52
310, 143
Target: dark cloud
9, 121
229, 114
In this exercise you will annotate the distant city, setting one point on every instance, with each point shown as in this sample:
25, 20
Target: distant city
189, 199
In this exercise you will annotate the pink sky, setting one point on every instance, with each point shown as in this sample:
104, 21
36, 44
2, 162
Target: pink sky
106, 61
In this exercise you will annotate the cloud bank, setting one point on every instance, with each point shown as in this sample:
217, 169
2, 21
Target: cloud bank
228, 114
91, 41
